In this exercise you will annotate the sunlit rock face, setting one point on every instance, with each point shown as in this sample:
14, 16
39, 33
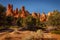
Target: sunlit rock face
15, 13
9, 10
50, 13
23, 14
43, 17
27, 13
34, 15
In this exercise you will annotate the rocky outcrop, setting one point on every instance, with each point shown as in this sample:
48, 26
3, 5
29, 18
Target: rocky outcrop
43, 17
34, 15
24, 13
15, 13
50, 13
9, 10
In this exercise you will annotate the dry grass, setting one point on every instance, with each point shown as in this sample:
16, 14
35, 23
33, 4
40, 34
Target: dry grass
26, 35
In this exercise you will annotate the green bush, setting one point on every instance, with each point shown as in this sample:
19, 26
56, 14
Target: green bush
55, 32
54, 20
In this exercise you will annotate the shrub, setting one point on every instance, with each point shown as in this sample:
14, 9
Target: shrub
55, 32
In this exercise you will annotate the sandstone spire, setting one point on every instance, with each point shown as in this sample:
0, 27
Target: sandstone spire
16, 15
16, 11
34, 15
23, 14
9, 10
43, 17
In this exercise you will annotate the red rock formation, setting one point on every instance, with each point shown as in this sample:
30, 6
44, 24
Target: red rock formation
16, 10
43, 17
16, 15
9, 10
34, 15
50, 13
23, 14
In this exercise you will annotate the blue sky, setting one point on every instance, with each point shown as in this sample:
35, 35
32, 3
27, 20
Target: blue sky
34, 5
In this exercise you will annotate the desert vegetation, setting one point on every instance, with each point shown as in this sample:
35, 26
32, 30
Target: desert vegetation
37, 28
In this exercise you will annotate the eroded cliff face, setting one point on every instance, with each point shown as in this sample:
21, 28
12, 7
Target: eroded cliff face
34, 15
9, 10
43, 17
14, 13
24, 13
